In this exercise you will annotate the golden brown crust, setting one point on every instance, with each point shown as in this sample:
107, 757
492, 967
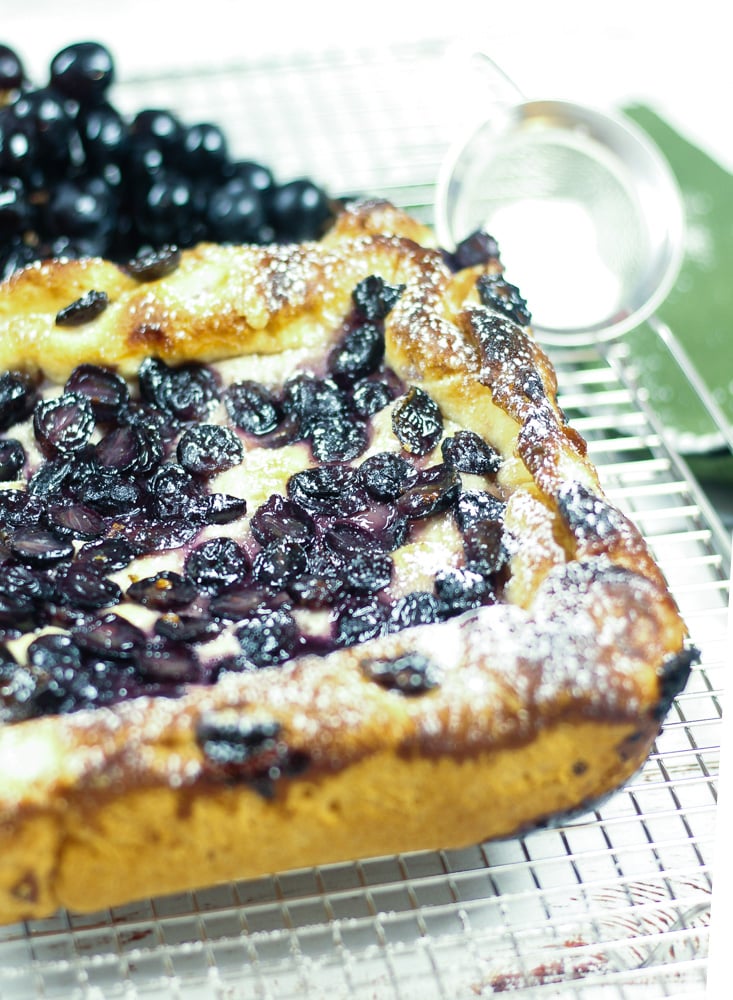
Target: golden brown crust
542, 704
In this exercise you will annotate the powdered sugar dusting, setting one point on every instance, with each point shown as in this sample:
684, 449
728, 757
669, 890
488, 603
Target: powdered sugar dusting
581, 642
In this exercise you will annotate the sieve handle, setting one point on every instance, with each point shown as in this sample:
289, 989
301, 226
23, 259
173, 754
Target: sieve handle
504, 89
689, 370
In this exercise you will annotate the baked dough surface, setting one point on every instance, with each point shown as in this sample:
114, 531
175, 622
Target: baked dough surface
539, 704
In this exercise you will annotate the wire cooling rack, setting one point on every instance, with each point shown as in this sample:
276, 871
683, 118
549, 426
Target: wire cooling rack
615, 903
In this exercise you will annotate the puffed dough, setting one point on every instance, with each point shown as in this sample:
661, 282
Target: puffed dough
544, 702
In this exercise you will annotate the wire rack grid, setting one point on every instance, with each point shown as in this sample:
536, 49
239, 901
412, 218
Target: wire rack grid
614, 903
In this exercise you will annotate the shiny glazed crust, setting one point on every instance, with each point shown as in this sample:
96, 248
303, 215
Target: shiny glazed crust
543, 703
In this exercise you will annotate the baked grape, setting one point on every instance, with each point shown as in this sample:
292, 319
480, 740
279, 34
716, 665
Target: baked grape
127, 475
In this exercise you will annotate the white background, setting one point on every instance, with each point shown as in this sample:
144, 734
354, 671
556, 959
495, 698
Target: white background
675, 55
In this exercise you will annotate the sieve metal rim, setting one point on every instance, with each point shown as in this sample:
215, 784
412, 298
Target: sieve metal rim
629, 145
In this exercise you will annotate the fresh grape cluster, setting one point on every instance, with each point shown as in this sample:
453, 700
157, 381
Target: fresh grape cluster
77, 178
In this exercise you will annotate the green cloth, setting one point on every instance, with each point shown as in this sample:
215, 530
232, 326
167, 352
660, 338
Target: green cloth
699, 309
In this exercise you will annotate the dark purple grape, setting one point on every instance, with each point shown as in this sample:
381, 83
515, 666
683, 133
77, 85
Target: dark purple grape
328, 489
497, 293
377, 528
159, 536
50, 117
12, 73
160, 126
256, 175
145, 160
62, 693
109, 554
104, 135
252, 407
35, 584
436, 489
477, 248
15, 254
84, 207
417, 421
83, 71
359, 354
12, 507
110, 636
167, 661
63, 424
166, 211
205, 149
367, 572
279, 518
233, 605
473, 506
279, 562
152, 265
151, 420
18, 145
111, 494
12, 459
164, 591
322, 414
309, 399
54, 651
187, 393
347, 537
76, 520
51, 478
233, 743
73, 247
83, 310
374, 299
207, 449
63, 685
218, 564
360, 621
416, 608
38, 546
469, 453
235, 213
106, 391
410, 674
387, 475
18, 613
269, 636
460, 590
316, 590
338, 437
586, 514
395, 532
82, 585
483, 544
175, 494
17, 687
186, 628
22, 594
120, 450
372, 395
15, 208
299, 210
223, 508
18, 397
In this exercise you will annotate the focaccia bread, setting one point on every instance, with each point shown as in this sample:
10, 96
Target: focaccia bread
301, 563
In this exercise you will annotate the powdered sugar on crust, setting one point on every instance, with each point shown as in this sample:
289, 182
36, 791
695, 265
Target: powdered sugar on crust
503, 675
